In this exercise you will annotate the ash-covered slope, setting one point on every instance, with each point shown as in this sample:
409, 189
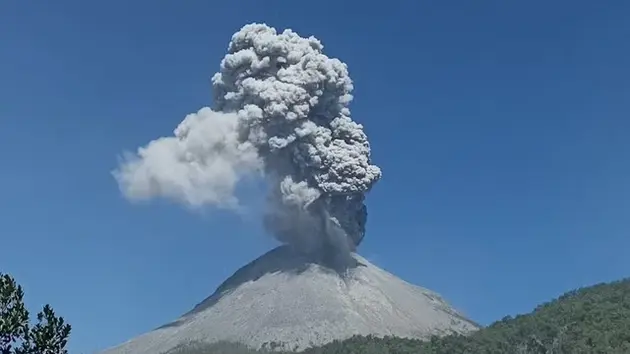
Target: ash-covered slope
293, 300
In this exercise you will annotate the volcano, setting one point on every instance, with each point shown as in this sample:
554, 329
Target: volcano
296, 301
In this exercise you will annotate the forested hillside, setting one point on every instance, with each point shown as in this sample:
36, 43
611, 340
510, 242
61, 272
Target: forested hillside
595, 319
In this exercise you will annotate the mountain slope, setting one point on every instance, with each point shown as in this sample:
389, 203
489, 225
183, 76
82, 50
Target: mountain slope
594, 319
291, 301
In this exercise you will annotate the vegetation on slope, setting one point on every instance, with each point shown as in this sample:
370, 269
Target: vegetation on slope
588, 320
584, 321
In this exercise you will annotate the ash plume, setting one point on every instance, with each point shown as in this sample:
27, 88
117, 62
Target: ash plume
280, 111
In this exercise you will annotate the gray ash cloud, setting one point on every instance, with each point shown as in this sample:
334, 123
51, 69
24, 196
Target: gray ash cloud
280, 112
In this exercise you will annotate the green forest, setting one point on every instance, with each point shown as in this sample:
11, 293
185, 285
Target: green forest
593, 319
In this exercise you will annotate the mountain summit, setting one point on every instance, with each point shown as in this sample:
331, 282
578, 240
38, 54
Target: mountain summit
292, 301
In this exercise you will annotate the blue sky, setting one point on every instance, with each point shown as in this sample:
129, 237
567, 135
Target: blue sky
501, 128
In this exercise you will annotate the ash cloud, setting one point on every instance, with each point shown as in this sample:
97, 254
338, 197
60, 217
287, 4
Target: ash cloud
201, 164
280, 111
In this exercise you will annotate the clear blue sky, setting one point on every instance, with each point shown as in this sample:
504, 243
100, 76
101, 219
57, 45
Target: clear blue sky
501, 128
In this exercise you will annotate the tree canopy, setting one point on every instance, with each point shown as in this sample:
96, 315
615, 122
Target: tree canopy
48, 336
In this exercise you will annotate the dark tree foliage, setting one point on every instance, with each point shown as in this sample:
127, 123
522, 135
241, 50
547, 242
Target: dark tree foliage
48, 336
13, 315
593, 320
215, 348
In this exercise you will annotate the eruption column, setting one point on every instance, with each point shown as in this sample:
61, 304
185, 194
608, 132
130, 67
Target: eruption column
280, 109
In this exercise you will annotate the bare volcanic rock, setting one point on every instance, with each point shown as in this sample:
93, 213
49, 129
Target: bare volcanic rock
295, 301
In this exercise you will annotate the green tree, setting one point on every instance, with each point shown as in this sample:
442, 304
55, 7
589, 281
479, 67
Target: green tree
48, 336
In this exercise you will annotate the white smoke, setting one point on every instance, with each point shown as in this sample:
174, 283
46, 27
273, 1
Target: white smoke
280, 109
201, 164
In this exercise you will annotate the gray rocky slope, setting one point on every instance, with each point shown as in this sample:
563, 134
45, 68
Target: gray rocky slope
293, 300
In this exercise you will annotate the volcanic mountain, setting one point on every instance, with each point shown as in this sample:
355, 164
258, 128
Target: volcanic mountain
296, 301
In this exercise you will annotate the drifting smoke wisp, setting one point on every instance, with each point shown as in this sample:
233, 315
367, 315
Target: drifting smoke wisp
280, 110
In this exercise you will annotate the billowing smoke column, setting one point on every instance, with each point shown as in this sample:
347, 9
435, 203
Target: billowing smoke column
281, 111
